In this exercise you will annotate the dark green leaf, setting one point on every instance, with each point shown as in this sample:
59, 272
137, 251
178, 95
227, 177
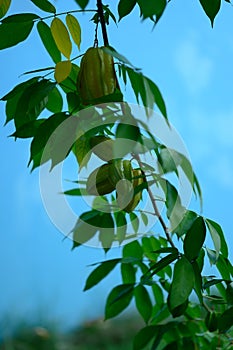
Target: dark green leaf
144, 336
121, 224
198, 281
107, 230
169, 160
194, 239
212, 282
82, 3
161, 264
152, 8
48, 41
43, 134
211, 8
186, 223
100, 273
224, 267
216, 231
20, 18
128, 273
44, 5
76, 192
28, 130
18, 89
225, 321
132, 249
175, 210
118, 300
86, 227
125, 7
181, 287
143, 302
166, 250
229, 293
73, 101
158, 295
55, 101
13, 33
32, 102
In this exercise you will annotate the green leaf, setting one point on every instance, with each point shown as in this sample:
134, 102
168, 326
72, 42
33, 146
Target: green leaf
80, 149
55, 101
125, 7
82, 3
32, 102
161, 264
134, 221
44, 5
28, 130
229, 293
152, 8
225, 321
150, 244
212, 255
42, 136
121, 224
194, 239
144, 336
4, 7
224, 267
118, 300
73, 101
144, 218
198, 281
132, 249
15, 29
86, 227
18, 89
100, 273
217, 233
48, 41
107, 230
61, 37
175, 210
186, 223
74, 28
211, 8
181, 287
143, 302
128, 273
76, 192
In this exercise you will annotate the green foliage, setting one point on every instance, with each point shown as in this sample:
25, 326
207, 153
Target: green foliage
160, 273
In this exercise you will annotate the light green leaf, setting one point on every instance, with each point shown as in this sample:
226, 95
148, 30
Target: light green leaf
44, 5
194, 239
118, 300
186, 223
181, 287
4, 7
125, 7
48, 41
150, 244
143, 302
100, 273
62, 71
107, 230
217, 234
74, 28
80, 149
61, 37
211, 8
86, 227
132, 249
161, 264
128, 273
134, 221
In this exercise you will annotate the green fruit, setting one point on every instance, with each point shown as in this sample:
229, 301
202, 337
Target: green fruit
98, 182
138, 180
97, 76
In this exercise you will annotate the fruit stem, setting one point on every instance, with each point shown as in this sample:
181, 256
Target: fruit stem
102, 22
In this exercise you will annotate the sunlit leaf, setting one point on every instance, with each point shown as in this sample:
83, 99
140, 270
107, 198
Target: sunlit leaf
4, 7
74, 28
118, 300
44, 5
211, 8
181, 287
48, 41
61, 37
125, 7
100, 273
62, 71
81, 148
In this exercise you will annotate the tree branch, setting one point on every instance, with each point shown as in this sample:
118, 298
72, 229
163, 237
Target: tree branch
102, 22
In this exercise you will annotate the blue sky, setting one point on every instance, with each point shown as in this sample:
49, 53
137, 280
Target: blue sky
191, 64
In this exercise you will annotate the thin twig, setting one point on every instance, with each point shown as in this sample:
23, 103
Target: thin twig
102, 22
